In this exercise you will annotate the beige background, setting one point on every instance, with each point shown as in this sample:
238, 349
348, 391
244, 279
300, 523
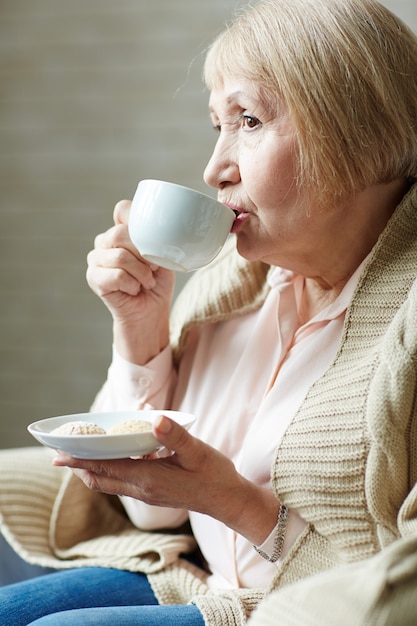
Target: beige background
95, 95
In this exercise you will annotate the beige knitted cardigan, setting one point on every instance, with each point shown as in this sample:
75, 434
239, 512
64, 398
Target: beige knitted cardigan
347, 462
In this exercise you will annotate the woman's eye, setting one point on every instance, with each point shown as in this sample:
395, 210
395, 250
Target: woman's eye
249, 121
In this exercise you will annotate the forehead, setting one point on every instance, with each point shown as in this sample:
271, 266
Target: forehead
232, 92
233, 95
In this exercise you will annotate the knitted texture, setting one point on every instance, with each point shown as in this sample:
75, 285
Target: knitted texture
228, 287
29, 485
357, 423
329, 465
51, 519
380, 591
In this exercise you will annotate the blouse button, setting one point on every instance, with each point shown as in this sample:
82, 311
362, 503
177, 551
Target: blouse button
144, 382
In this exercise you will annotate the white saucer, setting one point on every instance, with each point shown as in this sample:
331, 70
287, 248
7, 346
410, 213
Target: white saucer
117, 446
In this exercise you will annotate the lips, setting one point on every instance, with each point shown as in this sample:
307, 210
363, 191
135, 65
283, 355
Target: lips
240, 216
235, 208
240, 219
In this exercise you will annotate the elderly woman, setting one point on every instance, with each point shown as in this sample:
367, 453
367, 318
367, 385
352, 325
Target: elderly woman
296, 348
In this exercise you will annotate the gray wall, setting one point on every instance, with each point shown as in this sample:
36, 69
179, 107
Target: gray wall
95, 95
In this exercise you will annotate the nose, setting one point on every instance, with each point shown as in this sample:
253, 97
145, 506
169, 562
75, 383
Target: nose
222, 169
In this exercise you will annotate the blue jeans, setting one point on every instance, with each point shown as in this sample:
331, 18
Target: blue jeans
87, 596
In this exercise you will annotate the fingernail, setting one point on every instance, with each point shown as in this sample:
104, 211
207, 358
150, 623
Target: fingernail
163, 424
60, 458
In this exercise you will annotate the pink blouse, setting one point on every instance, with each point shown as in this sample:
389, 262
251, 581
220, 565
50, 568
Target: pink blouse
244, 380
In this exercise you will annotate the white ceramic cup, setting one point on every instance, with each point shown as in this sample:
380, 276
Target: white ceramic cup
176, 227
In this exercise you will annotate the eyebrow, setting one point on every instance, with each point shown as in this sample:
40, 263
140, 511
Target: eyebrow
232, 97
260, 94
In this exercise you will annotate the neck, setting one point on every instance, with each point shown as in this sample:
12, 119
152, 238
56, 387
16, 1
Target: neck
354, 230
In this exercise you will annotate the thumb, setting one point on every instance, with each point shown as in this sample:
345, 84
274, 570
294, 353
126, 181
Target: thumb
121, 212
172, 435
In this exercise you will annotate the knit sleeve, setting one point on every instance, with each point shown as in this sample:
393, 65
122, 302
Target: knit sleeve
310, 554
392, 420
51, 519
380, 591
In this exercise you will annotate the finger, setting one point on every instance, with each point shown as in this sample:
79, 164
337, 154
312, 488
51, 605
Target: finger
62, 459
115, 237
121, 217
115, 477
121, 212
103, 483
101, 469
177, 439
122, 260
118, 236
107, 281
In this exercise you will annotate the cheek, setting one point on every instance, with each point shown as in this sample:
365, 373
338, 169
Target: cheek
257, 175
269, 187
269, 176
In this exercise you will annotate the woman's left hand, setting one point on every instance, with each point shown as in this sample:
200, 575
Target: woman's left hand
195, 477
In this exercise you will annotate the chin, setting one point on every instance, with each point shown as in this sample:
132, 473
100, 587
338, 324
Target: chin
246, 250
252, 253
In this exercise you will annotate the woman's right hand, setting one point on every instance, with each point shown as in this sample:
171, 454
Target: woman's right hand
137, 294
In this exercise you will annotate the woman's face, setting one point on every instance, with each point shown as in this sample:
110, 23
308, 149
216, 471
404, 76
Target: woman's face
254, 167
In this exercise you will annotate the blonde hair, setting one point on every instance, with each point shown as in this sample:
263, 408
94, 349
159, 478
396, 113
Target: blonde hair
347, 70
